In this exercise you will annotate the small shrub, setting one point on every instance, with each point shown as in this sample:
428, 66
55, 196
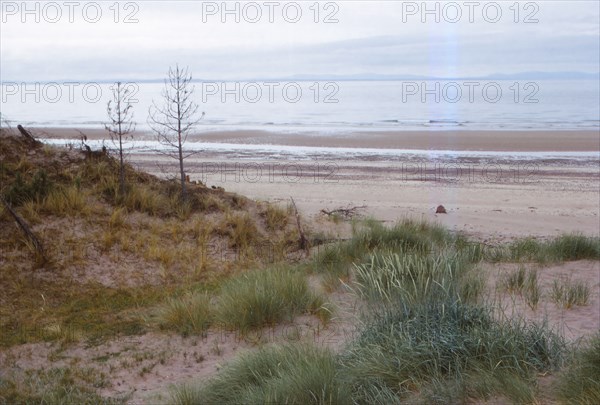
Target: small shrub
562, 248
332, 259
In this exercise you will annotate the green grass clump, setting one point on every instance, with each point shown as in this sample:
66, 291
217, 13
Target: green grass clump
532, 291
567, 293
408, 277
407, 348
525, 283
370, 235
574, 247
527, 249
189, 314
289, 374
264, 297
566, 247
580, 382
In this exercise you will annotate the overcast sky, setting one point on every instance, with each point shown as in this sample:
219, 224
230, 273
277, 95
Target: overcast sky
383, 37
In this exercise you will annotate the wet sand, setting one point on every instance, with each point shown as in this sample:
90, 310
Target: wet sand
502, 140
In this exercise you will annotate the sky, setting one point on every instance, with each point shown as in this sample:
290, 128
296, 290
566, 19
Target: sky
272, 39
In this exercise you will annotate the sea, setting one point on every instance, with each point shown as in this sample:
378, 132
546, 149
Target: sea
323, 107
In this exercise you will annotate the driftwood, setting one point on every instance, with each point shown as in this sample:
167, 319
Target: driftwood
347, 213
303, 242
30, 138
39, 248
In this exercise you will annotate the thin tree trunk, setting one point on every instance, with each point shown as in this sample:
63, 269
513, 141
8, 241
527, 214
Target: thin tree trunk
181, 171
121, 164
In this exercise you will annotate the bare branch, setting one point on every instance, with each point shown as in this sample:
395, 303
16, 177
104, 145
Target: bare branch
121, 125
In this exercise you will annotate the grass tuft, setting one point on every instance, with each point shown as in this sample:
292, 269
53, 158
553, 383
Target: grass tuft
408, 277
290, 374
276, 218
66, 201
264, 297
408, 347
189, 314
241, 230
567, 293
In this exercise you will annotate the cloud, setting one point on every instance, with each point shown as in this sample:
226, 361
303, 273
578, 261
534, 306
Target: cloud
369, 37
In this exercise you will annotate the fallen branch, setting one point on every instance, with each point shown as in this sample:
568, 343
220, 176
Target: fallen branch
39, 248
30, 138
303, 242
347, 213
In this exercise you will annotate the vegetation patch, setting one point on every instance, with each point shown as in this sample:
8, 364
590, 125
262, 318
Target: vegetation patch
289, 374
580, 382
264, 297
189, 314
567, 293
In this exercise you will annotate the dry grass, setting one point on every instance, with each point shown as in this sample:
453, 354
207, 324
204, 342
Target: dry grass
65, 201
276, 218
240, 229
98, 239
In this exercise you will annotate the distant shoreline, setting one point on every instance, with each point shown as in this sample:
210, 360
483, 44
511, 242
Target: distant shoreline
439, 140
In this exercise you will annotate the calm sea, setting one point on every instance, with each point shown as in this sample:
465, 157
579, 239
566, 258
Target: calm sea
327, 106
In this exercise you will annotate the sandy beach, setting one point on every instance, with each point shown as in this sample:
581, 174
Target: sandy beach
519, 188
